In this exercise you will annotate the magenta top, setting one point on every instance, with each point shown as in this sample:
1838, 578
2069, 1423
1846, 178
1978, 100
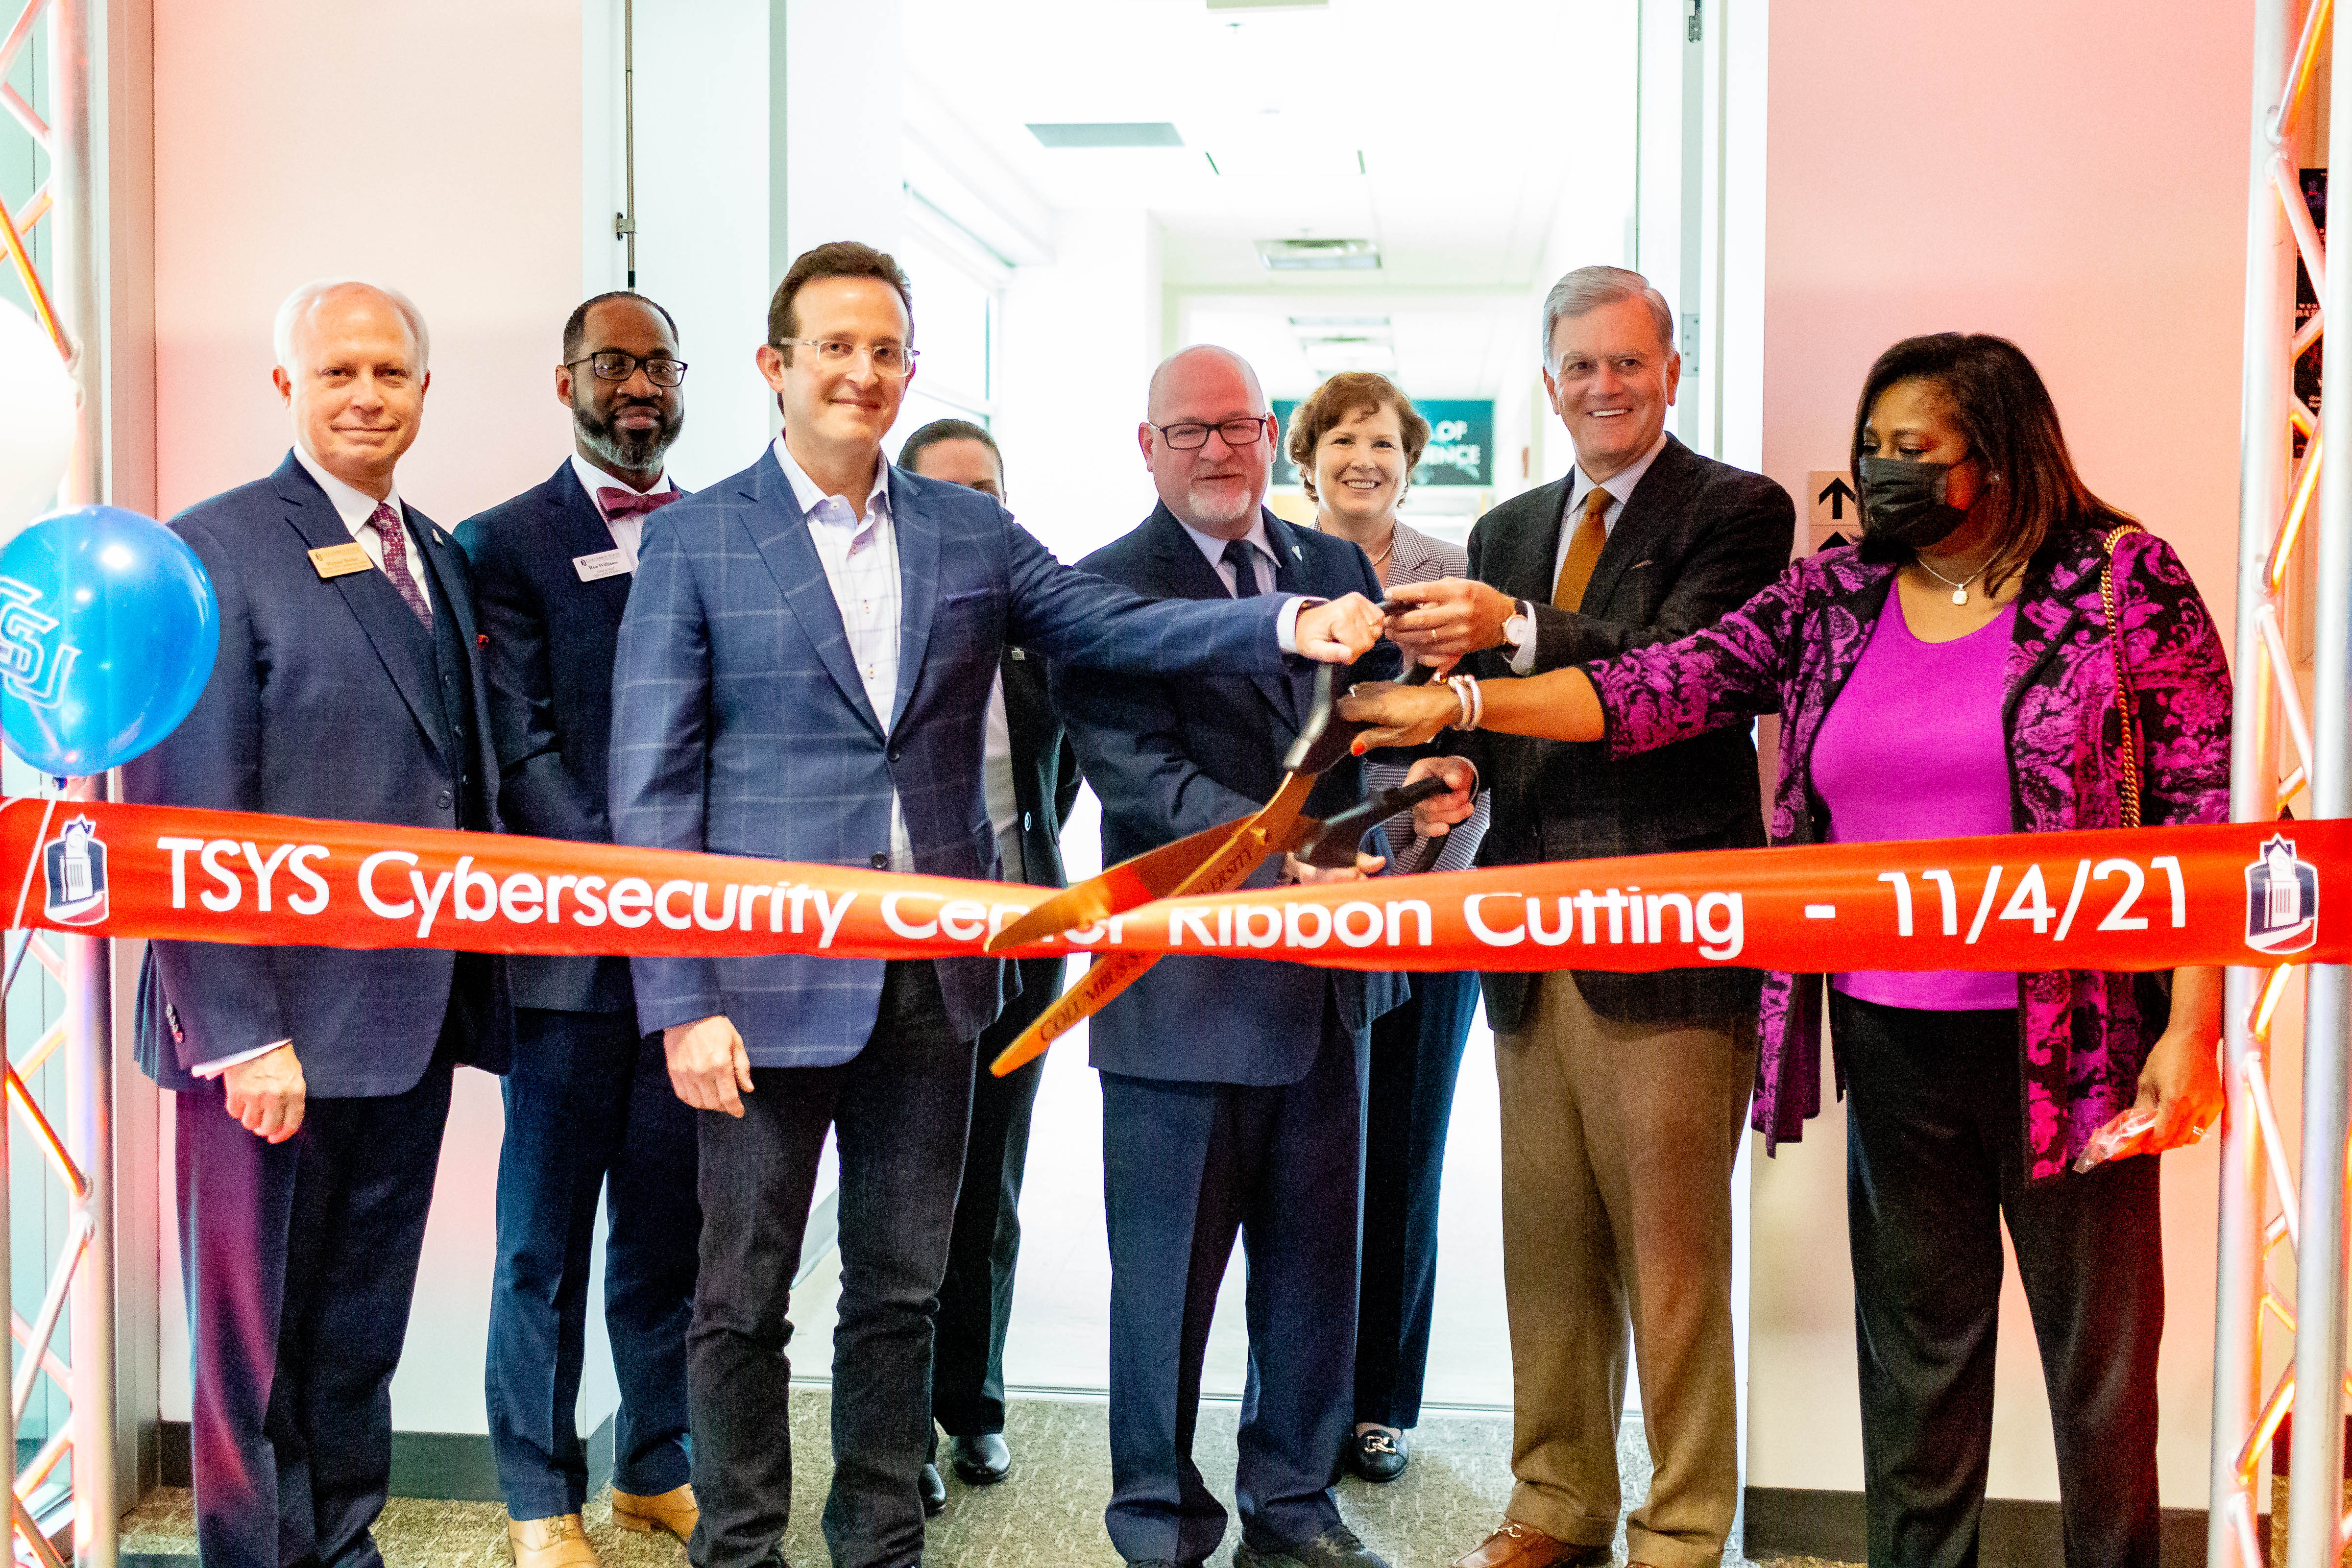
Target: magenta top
1913, 748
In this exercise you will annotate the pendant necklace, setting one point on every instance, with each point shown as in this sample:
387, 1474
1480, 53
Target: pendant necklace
1381, 560
1959, 589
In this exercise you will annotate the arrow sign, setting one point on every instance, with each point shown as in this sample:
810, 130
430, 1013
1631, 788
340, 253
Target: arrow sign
1832, 508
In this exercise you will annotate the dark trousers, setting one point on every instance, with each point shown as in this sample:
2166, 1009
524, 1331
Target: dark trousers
1935, 1163
588, 1098
1416, 1057
300, 1262
976, 1297
898, 1111
1186, 1168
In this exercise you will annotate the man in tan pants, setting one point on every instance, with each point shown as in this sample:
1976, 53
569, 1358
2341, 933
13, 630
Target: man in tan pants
1621, 1094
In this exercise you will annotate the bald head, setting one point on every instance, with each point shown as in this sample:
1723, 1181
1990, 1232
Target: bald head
1209, 440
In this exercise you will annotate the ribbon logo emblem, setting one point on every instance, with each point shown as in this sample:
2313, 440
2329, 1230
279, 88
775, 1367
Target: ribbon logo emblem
2281, 899
74, 864
35, 658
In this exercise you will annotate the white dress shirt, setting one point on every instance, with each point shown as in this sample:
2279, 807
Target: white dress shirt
997, 785
356, 508
860, 554
1619, 486
627, 532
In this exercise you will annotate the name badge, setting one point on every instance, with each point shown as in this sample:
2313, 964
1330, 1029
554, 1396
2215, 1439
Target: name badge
602, 565
341, 561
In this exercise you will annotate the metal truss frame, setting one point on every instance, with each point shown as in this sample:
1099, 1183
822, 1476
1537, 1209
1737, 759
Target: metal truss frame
81, 1287
2291, 515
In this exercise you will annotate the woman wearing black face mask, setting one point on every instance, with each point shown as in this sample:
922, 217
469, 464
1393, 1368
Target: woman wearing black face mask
1962, 672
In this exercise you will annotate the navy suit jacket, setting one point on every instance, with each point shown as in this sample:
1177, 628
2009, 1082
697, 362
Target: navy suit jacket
1173, 756
739, 725
319, 705
549, 665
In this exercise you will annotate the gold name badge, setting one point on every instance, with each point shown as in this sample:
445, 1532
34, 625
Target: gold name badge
341, 561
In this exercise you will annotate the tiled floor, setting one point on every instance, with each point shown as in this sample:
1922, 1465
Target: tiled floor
1049, 1512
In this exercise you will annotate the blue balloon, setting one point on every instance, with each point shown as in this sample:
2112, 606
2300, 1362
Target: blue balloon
108, 632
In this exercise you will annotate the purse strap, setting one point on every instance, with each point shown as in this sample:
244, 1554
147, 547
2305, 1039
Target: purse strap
2126, 708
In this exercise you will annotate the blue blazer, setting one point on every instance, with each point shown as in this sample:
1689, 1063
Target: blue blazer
1170, 757
739, 725
548, 662
324, 702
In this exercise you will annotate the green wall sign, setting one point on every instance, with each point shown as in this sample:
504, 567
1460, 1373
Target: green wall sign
1461, 448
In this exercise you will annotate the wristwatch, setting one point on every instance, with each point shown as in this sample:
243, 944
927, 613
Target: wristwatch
1519, 628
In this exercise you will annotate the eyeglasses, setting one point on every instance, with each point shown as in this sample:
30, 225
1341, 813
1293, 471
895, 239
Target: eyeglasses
613, 365
1191, 437
890, 362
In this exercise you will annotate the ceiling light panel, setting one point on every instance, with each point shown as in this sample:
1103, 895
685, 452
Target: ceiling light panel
1105, 134
1319, 255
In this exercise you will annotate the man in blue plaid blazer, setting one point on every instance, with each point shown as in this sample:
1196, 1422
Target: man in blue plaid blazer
803, 674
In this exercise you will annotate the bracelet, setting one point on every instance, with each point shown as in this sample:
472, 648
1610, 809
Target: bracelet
1473, 701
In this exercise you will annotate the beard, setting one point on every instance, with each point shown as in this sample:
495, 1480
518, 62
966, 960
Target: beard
1212, 508
600, 430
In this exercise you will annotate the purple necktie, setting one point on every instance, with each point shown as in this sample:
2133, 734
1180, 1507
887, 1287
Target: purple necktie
395, 561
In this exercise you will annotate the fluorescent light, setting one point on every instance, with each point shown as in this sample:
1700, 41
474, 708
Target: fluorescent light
1265, 5
1305, 322
1107, 133
1319, 255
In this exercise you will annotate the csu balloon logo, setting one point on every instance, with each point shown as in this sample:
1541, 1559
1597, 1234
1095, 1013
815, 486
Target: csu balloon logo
108, 632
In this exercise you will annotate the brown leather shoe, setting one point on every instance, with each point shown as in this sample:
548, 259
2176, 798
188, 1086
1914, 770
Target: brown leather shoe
1517, 1546
674, 1511
559, 1542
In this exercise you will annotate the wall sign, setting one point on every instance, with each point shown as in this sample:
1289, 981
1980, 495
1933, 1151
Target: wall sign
1461, 450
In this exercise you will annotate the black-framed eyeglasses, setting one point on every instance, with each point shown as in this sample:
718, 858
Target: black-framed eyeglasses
1191, 437
613, 365
892, 361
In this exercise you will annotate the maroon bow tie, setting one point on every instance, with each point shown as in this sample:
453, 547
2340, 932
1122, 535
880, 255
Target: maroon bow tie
615, 502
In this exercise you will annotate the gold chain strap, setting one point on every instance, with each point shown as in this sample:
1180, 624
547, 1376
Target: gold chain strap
2126, 708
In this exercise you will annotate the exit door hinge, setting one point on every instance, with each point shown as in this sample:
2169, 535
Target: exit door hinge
1694, 31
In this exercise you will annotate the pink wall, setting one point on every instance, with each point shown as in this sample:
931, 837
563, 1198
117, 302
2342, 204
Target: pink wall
2071, 176
434, 146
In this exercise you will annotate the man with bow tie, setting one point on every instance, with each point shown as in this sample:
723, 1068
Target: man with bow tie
588, 1100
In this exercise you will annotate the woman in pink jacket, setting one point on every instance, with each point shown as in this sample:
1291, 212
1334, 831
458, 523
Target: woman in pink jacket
1955, 673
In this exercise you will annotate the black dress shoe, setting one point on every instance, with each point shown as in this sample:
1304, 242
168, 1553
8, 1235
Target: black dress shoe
1335, 1548
934, 1491
1378, 1455
982, 1460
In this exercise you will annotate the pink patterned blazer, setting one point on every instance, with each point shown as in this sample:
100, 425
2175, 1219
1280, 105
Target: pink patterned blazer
2083, 1034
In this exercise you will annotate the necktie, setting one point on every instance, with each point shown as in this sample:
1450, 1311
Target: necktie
1583, 552
616, 502
395, 561
1238, 556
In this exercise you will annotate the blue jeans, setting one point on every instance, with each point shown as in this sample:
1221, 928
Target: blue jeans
898, 1110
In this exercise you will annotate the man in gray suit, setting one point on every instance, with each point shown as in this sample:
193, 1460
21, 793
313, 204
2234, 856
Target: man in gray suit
1623, 1096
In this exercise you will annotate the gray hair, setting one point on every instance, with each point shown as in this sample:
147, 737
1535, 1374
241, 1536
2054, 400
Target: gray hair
281, 333
1588, 288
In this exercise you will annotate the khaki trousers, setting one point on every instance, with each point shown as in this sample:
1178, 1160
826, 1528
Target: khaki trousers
1618, 1142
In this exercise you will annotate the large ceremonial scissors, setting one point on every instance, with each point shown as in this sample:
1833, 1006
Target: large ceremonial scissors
1211, 860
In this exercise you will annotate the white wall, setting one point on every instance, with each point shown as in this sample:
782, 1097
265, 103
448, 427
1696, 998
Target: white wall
2072, 177
1082, 333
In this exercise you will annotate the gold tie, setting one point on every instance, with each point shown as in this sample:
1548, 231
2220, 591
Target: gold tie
1583, 552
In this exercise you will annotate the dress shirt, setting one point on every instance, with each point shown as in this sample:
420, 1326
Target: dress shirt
1213, 549
356, 508
629, 531
996, 785
1619, 486
860, 553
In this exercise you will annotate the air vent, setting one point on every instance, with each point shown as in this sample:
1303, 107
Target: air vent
1319, 255
1107, 133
